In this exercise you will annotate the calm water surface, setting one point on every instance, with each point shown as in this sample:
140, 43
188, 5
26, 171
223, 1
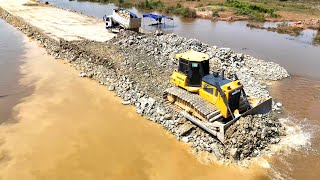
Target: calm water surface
11, 53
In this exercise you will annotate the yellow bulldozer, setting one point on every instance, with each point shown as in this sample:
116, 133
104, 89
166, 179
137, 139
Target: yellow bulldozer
210, 101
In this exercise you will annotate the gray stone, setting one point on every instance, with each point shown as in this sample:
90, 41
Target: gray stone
185, 139
111, 88
82, 74
160, 111
167, 116
185, 129
234, 153
139, 111
126, 102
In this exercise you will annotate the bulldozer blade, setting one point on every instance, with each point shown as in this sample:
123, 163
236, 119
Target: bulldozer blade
261, 108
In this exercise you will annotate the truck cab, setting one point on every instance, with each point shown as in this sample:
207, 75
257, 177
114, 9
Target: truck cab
108, 21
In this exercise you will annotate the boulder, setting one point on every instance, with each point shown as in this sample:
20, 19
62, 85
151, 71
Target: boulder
185, 129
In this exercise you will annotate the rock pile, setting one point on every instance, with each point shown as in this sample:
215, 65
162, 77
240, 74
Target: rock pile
153, 57
125, 14
251, 134
137, 68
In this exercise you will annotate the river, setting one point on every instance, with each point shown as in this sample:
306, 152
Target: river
78, 119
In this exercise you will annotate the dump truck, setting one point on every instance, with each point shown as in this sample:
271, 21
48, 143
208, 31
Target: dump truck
122, 19
210, 101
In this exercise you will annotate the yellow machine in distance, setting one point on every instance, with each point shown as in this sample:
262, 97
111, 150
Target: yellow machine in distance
210, 98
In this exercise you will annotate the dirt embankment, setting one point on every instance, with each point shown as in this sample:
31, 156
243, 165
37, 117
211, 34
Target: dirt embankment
291, 28
137, 68
57, 23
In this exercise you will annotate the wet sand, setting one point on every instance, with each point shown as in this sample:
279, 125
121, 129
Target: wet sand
73, 128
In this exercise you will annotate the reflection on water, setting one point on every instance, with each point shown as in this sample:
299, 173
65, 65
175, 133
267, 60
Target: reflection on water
307, 36
152, 25
317, 38
11, 51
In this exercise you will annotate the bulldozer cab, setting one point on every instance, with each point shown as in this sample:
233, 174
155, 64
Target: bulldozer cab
194, 65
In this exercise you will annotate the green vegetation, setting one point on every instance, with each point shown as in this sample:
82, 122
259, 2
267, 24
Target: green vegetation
159, 6
294, 31
199, 5
213, 4
120, 3
254, 11
150, 5
317, 38
310, 7
215, 11
155, 5
179, 10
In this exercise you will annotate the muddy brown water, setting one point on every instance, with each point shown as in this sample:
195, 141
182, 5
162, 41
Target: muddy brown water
11, 54
301, 101
82, 131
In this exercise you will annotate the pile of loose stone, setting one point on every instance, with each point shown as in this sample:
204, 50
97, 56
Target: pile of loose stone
137, 68
152, 57
251, 134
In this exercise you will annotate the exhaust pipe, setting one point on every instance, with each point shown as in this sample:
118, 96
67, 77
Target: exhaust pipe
222, 74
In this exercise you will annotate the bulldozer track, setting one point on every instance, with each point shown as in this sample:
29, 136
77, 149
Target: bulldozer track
205, 115
192, 102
